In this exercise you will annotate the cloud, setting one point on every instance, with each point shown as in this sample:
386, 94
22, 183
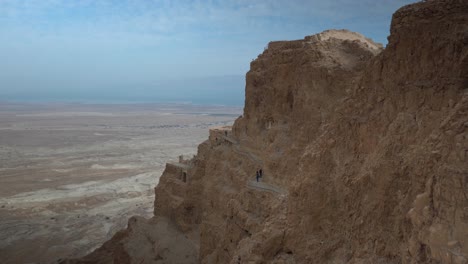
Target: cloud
148, 23
177, 17
65, 43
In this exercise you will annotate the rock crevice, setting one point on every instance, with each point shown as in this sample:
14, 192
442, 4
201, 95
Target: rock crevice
364, 149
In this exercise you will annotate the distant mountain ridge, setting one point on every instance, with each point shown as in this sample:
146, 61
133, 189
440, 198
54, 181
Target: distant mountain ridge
220, 90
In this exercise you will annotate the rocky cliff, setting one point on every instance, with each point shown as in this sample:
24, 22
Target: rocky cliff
364, 152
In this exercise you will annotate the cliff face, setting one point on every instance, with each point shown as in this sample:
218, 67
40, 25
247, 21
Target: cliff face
364, 152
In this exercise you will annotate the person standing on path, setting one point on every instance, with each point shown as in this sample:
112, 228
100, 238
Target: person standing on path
257, 174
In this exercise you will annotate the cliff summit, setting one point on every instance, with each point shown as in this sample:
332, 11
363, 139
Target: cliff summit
364, 152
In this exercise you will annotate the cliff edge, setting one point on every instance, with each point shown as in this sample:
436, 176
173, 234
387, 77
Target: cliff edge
364, 153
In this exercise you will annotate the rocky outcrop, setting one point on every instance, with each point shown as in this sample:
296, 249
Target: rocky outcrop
364, 152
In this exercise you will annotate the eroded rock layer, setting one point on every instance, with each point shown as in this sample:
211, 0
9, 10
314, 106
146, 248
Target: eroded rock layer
364, 153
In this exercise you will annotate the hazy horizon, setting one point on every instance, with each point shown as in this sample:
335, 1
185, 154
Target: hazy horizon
158, 50
203, 91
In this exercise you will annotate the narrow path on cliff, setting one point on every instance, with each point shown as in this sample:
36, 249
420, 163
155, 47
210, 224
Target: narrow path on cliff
262, 186
265, 187
242, 151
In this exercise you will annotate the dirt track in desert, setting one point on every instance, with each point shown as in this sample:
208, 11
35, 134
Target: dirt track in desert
72, 174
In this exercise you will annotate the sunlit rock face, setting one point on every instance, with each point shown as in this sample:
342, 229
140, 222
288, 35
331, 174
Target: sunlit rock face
363, 150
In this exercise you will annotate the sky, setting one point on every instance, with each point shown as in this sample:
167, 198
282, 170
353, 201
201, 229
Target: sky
189, 51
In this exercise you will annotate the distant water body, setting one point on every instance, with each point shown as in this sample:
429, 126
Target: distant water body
207, 102
226, 90
112, 109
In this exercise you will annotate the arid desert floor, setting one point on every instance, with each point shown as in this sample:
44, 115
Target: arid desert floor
72, 174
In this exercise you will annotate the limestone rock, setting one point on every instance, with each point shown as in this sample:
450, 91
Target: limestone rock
364, 152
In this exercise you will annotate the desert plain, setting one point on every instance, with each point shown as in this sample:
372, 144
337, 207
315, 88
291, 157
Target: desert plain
72, 174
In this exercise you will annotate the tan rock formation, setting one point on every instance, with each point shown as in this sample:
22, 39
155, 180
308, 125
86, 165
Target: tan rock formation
364, 152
